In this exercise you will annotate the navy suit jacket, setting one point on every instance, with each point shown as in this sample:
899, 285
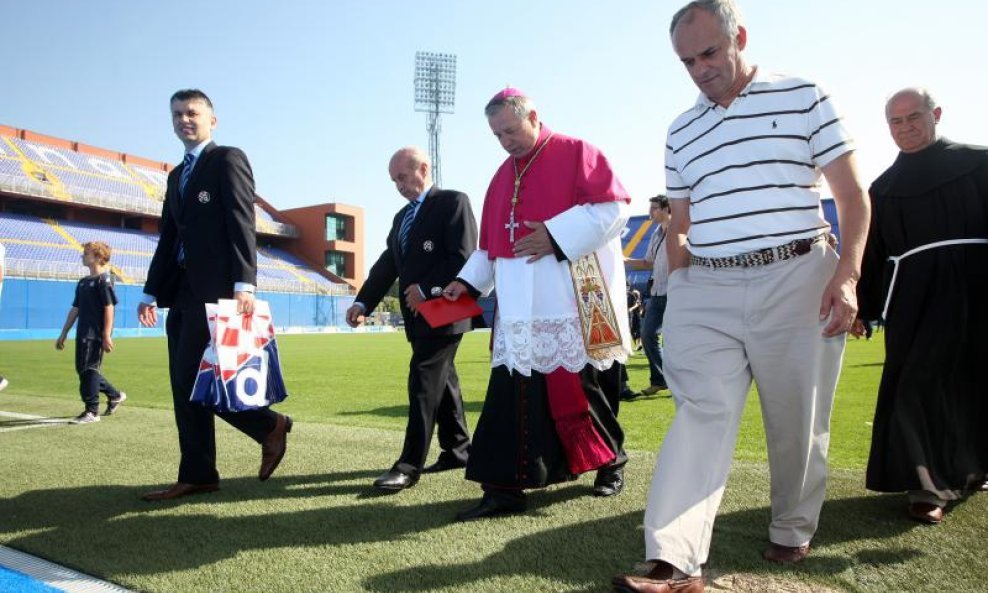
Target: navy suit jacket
214, 222
442, 237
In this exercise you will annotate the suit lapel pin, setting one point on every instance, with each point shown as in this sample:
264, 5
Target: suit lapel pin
204, 197
428, 246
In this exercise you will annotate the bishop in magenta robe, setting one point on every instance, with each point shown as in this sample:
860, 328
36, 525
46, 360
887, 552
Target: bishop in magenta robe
550, 412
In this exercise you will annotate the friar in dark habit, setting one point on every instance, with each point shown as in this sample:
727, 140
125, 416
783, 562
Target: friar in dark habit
925, 271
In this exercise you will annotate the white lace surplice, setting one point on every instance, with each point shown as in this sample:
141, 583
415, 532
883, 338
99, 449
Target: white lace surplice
537, 327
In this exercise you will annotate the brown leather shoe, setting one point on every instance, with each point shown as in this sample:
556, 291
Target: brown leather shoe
653, 389
180, 489
626, 583
273, 449
785, 554
925, 512
658, 580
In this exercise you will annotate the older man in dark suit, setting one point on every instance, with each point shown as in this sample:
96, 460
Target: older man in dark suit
430, 239
206, 252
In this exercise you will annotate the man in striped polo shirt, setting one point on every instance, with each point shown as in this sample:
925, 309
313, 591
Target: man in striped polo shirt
755, 292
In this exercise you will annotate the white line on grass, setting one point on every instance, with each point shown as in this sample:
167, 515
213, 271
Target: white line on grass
20, 416
36, 421
54, 575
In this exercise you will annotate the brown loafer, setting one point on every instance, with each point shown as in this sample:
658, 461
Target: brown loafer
180, 489
273, 449
627, 583
785, 554
925, 512
658, 580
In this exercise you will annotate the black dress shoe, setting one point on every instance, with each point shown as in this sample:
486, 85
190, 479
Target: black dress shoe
491, 507
444, 464
628, 395
609, 482
395, 480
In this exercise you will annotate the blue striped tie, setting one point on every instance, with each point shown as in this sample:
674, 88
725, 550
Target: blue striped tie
406, 226
182, 181
186, 172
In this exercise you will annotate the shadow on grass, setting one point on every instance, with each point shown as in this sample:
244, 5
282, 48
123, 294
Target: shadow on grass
8, 424
109, 530
402, 411
6, 421
575, 554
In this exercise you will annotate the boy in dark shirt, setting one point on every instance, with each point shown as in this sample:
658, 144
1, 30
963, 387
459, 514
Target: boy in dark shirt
93, 307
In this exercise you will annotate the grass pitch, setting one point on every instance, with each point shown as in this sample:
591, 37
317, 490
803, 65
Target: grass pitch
70, 493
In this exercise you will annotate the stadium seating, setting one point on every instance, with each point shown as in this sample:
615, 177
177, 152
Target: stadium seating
52, 249
27, 228
10, 168
98, 181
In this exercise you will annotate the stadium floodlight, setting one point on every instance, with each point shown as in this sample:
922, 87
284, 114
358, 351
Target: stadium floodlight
435, 93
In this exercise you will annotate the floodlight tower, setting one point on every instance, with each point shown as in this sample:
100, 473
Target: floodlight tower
435, 93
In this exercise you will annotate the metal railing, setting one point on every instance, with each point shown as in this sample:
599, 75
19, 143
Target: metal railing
30, 268
277, 228
54, 270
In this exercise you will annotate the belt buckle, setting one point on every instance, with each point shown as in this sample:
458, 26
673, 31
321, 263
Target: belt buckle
803, 246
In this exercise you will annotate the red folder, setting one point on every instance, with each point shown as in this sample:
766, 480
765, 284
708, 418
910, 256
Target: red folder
440, 312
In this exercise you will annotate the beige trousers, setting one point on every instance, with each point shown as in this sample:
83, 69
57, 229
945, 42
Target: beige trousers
724, 328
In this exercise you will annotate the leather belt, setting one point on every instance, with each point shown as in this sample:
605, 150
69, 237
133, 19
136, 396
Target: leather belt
760, 257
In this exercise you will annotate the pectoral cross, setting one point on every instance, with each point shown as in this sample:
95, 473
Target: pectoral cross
511, 226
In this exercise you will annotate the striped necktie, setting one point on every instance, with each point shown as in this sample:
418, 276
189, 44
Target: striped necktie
182, 181
406, 226
186, 172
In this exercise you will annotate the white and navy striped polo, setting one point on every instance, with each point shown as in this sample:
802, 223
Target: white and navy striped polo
752, 171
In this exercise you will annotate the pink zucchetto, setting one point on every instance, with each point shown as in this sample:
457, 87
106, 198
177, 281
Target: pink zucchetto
506, 93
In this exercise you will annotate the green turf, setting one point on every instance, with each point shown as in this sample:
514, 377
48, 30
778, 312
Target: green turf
71, 493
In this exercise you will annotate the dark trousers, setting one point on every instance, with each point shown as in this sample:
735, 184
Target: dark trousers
433, 398
613, 382
88, 360
188, 334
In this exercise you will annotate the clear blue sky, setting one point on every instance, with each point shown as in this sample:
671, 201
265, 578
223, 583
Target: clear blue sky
319, 93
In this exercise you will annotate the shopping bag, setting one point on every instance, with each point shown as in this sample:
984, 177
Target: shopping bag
207, 388
240, 368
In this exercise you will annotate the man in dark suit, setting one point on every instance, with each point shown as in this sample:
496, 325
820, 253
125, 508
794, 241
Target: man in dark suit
430, 240
206, 252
